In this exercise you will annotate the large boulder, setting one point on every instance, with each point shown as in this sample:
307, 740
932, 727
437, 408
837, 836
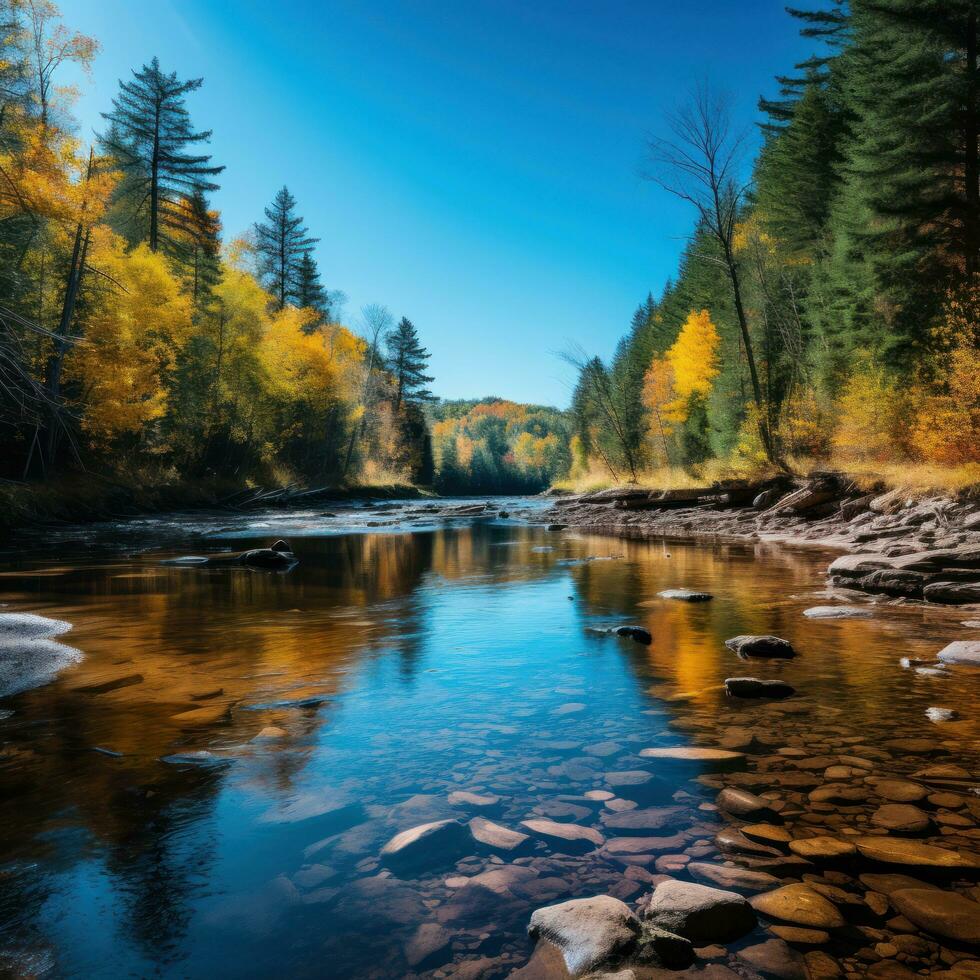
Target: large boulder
702, 914
591, 933
426, 846
761, 646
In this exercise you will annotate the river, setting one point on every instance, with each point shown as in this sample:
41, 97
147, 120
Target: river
207, 791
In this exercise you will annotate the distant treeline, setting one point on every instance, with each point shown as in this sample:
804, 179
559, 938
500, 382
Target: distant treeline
828, 307
498, 446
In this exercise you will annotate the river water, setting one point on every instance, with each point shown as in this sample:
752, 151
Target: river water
207, 791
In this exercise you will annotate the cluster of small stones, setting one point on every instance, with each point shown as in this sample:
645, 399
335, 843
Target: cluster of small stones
855, 858
906, 547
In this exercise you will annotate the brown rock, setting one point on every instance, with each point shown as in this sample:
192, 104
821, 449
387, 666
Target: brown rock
800, 905
901, 818
942, 913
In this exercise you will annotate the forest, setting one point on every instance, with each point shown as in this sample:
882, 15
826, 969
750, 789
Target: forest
137, 340
826, 310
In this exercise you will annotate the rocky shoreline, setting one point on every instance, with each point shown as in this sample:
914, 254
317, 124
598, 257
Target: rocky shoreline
899, 544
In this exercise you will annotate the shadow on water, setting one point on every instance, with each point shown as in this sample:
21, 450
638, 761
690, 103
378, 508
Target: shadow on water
207, 792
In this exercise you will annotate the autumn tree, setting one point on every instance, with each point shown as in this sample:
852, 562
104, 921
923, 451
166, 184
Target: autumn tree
152, 141
283, 242
700, 163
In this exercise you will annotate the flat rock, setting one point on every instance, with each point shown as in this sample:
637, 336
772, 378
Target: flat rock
565, 836
643, 821
800, 905
822, 848
462, 797
902, 818
742, 803
894, 850
590, 933
700, 913
768, 833
898, 790
837, 612
495, 837
761, 646
685, 595
753, 687
427, 845
729, 877
636, 633
961, 652
942, 913
702, 758
799, 936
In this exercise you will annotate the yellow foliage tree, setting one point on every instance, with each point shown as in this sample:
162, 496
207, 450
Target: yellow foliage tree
872, 415
694, 356
132, 339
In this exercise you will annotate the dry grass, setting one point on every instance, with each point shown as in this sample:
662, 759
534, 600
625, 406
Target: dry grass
917, 478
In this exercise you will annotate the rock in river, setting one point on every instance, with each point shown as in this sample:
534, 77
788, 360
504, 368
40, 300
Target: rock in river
761, 646
942, 913
565, 836
696, 757
822, 848
645, 821
895, 850
961, 652
29, 626
429, 845
495, 837
800, 905
901, 818
685, 595
753, 687
700, 913
589, 932
742, 803
637, 633
836, 612
732, 877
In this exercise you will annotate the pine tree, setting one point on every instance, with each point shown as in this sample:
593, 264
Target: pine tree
151, 138
283, 241
831, 28
310, 293
407, 361
202, 246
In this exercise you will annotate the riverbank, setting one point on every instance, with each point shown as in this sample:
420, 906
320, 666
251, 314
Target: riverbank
909, 546
88, 497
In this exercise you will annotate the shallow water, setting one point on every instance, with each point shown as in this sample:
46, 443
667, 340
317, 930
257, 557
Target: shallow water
394, 666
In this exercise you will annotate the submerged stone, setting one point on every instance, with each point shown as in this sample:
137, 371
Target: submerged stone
800, 905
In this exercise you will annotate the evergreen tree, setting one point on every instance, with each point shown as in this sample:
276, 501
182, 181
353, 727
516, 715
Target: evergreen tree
407, 361
201, 247
310, 292
830, 27
283, 241
151, 138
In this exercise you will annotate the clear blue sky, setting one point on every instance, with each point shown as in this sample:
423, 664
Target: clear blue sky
471, 164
